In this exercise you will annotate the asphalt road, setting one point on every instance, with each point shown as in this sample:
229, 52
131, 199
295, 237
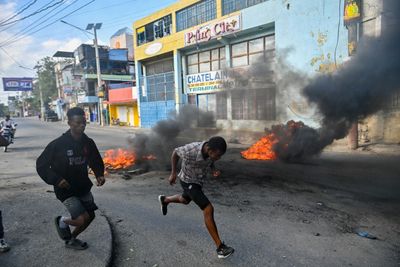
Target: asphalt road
273, 214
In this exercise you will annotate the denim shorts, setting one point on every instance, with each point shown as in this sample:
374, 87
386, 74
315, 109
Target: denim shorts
79, 205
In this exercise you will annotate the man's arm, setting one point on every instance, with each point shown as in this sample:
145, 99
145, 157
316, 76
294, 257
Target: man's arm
43, 166
174, 163
96, 163
214, 171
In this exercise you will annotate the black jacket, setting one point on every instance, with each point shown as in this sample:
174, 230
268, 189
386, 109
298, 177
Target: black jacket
66, 158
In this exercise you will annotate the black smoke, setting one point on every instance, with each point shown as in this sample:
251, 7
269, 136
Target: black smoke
164, 136
360, 87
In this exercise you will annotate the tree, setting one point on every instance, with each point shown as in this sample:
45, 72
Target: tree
46, 80
3, 110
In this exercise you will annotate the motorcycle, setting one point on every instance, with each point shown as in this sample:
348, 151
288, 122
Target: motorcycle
7, 134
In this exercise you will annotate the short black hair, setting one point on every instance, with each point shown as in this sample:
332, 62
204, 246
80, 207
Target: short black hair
217, 143
76, 111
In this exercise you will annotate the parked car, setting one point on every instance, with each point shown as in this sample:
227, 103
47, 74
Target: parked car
50, 115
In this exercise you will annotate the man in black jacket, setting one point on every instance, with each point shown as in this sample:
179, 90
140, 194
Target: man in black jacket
64, 164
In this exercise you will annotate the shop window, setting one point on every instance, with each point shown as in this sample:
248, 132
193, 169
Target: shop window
196, 14
193, 69
229, 6
240, 54
249, 52
154, 30
253, 104
210, 60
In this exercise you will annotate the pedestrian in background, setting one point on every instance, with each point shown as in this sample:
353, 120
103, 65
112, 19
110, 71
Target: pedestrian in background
197, 158
64, 164
4, 247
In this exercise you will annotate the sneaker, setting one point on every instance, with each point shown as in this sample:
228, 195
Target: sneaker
164, 208
64, 233
224, 251
4, 247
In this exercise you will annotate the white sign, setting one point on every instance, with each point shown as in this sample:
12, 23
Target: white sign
153, 49
213, 30
204, 82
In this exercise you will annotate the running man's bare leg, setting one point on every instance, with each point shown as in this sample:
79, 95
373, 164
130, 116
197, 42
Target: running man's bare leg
175, 199
210, 223
80, 223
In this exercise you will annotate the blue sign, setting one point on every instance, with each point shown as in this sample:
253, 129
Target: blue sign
17, 84
118, 54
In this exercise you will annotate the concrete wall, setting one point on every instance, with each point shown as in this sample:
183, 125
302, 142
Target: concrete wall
384, 126
309, 36
310, 39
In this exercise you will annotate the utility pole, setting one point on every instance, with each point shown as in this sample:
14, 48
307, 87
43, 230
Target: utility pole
42, 109
95, 27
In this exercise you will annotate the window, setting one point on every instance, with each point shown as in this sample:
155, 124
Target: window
141, 36
240, 54
158, 29
253, 104
159, 81
210, 60
249, 52
159, 87
154, 30
229, 6
196, 14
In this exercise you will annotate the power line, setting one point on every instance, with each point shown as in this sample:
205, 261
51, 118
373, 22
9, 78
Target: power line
104, 7
44, 8
19, 64
33, 26
5, 51
19, 12
49, 24
13, 23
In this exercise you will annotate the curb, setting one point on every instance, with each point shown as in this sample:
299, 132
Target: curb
110, 254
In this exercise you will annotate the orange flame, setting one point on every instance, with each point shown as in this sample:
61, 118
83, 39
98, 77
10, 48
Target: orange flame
118, 159
262, 149
149, 157
280, 135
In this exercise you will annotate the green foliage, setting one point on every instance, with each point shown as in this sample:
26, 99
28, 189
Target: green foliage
3, 110
46, 80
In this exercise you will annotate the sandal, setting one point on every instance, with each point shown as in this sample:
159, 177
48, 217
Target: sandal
76, 244
64, 233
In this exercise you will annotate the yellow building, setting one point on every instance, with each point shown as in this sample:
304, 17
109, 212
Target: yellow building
183, 50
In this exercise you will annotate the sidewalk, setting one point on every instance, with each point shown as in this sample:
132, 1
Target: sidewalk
28, 220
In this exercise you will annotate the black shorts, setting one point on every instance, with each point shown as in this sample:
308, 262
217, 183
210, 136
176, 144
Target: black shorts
194, 192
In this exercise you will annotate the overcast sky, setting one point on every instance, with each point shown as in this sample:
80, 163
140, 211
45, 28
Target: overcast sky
26, 37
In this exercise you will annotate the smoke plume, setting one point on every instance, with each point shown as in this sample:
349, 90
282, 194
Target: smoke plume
359, 88
163, 137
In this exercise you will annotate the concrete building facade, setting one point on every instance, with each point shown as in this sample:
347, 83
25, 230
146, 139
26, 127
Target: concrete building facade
186, 54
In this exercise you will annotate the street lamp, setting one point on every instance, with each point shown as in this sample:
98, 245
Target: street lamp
97, 26
94, 26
